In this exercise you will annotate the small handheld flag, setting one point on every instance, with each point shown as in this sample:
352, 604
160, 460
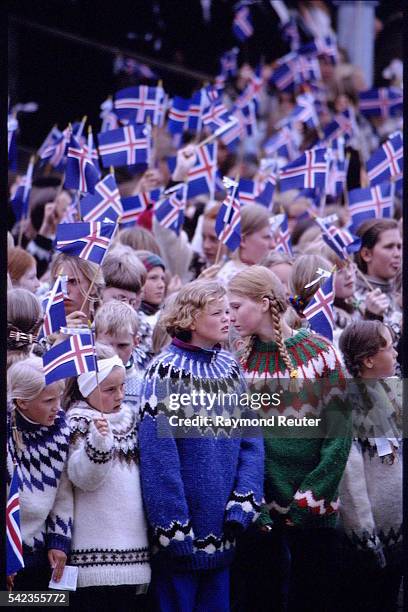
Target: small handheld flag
87, 240
15, 560
69, 358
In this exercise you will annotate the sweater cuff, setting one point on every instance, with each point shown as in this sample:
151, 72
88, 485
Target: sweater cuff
238, 515
306, 509
98, 448
243, 508
181, 549
265, 517
59, 542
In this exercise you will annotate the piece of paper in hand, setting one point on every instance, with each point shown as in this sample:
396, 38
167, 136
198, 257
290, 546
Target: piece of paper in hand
68, 580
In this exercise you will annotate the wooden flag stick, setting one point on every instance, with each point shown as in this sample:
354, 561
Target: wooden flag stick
96, 368
363, 278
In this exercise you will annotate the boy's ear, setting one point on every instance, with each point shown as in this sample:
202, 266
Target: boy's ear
136, 340
368, 362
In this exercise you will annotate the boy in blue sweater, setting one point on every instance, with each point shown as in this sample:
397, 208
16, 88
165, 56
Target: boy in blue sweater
201, 485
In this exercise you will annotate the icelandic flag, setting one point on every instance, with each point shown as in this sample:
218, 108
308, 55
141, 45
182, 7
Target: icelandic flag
340, 240
386, 162
283, 241
284, 75
370, 203
304, 111
109, 117
307, 69
343, 124
228, 61
138, 103
134, 205
201, 177
265, 196
228, 223
178, 115
20, 196
216, 116
247, 191
198, 102
290, 33
251, 91
72, 357
242, 24
381, 102
104, 203
246, 116
51, 139
306, 172
15, 560
170, 212
319, 311
230, 134
125, 146
55, 152
92, 153
337, 177
321, 46
87, 240
53, 308
80, 173
283, 144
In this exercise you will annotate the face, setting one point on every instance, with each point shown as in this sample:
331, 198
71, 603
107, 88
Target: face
44, 408
255, 246
283, 271
122, 343
154, 288
384, 259
211, 324
122, 295
345, 281
382, 364
76, 283
29, 280
245, 314
112, 392
210, 241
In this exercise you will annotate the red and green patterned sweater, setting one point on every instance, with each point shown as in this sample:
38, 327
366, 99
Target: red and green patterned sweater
302, 475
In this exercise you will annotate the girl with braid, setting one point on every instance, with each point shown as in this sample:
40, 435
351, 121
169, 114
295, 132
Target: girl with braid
293, 566
24, 319
371, 487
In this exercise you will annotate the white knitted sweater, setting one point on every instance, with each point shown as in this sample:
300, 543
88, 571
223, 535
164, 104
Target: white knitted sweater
109, 543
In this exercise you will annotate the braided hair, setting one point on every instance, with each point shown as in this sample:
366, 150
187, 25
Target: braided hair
361, 339
24, 319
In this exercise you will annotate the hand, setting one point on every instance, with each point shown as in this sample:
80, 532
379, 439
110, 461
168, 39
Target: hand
57, 559
102, 426
50, 220
77, 319
174, 285
186, 159
150, 180
289, 522
232, 529
376, 302
210, 272
10, 582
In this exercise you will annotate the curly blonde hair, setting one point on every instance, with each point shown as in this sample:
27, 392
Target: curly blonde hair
179, 315
258, 283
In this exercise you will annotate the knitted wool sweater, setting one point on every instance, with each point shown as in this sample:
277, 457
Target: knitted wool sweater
109, 543
302, 475
133, 384
46, 501
371, 487
192, 487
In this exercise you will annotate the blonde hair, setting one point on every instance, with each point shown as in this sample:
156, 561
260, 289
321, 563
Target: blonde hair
275, 258
26, 379
89, 269
123, 269
114, 317
179, 315
303, 272
24, 319
139, 239
258, 283
254, 217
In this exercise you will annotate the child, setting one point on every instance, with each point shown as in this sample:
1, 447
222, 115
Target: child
116, 324
371, 488
37, 443
301, 474
109, 544
199, 492
154, 291
24, 319
22, 268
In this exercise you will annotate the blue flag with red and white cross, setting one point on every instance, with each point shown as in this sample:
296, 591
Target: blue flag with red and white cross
198, 103
381, 102
15, 560
89, 241
201, 177
216, 116
325, 45
370, 203
105, 203
55, 151
242, 25
282, 237
283, 144
72, 357
265, 196
386, 162
133, 206
137, 104
178, 115
54, 310
170, 212
125, 146
20, 196
228, 222
319, 311
306, 172
80, 172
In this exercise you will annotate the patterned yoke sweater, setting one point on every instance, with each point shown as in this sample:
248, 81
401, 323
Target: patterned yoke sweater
46, 501
194, 486
302, 475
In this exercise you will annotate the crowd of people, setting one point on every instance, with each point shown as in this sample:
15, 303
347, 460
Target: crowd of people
200, 518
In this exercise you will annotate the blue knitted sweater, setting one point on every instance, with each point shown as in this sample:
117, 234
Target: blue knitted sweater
194, 486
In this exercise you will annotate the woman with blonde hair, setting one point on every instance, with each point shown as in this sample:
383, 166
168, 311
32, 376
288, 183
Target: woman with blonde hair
37, 447
302, 474
24, 319
256, 241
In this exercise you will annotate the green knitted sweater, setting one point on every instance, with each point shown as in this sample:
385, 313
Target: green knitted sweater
302, 475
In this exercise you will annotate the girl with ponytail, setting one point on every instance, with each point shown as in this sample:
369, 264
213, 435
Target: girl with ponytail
302, 474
